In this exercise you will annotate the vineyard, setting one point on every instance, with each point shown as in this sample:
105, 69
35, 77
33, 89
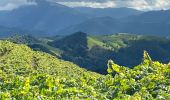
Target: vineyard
31, 75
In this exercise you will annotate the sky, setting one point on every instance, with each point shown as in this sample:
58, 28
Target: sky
136, 4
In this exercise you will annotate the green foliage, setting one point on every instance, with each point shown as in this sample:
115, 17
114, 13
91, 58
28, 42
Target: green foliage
26, 74
30, 75
147, 59
23, 39
149, 80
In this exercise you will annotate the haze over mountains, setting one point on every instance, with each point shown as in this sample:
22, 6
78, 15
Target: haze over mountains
49, 18
147, 23
44, 16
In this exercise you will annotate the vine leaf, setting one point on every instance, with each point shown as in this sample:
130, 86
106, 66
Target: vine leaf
147, 59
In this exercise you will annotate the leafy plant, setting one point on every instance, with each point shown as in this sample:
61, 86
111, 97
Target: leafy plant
27, 75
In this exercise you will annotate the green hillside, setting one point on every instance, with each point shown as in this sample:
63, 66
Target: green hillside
94, 42
38, 44
23, 39
30, 75
15, 55
19, 65
93, 52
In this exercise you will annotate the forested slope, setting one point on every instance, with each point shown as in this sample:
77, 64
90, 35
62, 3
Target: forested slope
93, 52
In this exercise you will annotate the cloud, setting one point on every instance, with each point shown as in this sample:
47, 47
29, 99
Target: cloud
90, 4
149, 4
12, 4
136, 4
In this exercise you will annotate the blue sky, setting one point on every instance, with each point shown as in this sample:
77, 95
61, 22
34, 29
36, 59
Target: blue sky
137, 4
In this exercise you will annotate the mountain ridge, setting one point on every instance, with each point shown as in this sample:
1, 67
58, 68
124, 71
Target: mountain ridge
50, 17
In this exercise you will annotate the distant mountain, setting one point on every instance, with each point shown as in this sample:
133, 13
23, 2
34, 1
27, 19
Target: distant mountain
7, 32
98, 25
148, 23
110, 12
56, 19
152, 22
50, 17
4, 32
152, 16
46, 16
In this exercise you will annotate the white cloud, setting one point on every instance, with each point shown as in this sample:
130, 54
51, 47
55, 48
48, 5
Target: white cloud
8, 6
149, 4
137, 4
90, 4
162, 4
12, 4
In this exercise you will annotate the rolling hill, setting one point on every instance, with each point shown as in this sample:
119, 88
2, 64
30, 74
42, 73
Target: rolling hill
116, 13
98, 49
18, 54
93, 52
